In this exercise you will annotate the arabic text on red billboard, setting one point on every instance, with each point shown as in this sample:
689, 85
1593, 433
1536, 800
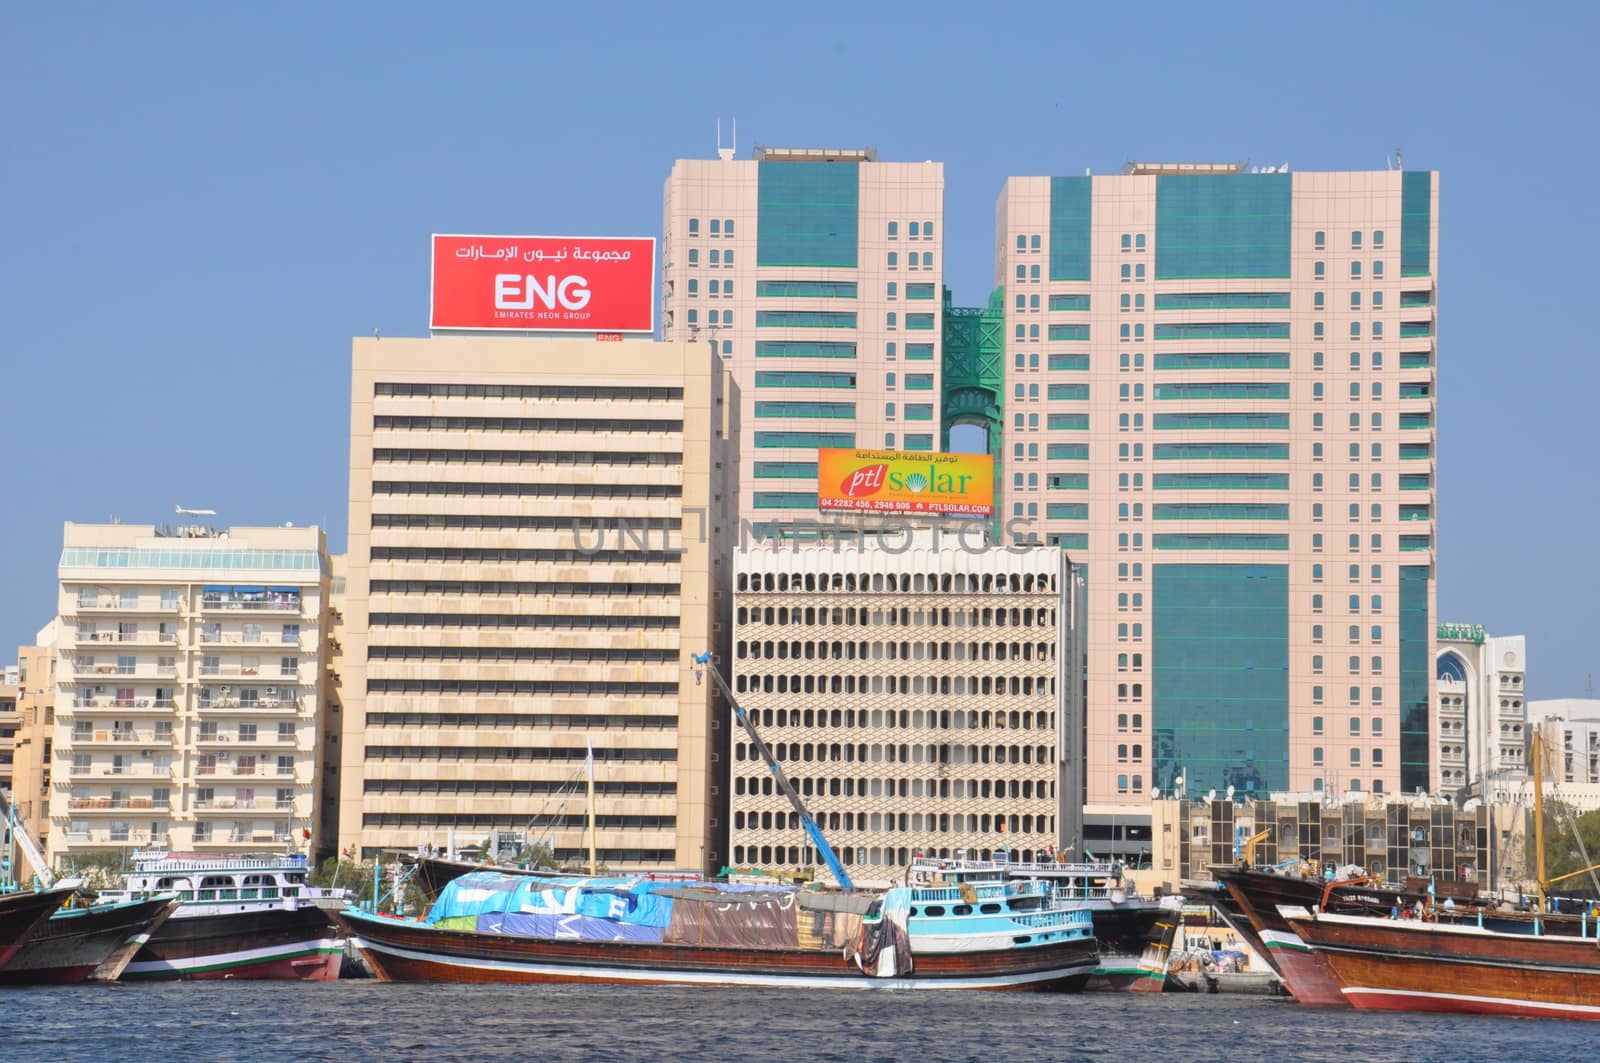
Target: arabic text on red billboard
544, 283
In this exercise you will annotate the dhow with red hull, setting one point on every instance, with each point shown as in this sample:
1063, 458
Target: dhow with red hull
1413, 965
955, 925
250, 917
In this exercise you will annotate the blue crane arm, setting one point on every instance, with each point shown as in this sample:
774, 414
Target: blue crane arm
814, 832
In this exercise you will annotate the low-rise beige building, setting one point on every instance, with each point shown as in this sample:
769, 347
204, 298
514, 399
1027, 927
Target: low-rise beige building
921, 697
1483, 843
34, 742
10, 723
532, 527
189, 683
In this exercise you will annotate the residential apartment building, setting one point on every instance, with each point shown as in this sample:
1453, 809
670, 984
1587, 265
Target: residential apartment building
919, 696
1220, 399
1571, 730
816, 274
35, 737
533, 523
189, 683
1480, 718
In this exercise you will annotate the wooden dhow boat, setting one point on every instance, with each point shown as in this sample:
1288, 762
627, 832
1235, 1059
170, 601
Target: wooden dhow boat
1427, 963
86, 944
245, 917
955, 925
22, 911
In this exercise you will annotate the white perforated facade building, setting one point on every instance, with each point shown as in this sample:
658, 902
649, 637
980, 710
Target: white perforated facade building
916, 695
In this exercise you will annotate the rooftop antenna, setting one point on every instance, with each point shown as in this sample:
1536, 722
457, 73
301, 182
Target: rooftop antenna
727, 154
1588, 686
1399, 161
194, 512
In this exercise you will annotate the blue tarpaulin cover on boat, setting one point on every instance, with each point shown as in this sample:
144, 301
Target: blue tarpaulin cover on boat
562, 907
566, 927
621, 900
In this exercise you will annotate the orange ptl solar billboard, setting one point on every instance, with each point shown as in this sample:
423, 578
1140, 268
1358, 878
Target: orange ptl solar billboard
892, 481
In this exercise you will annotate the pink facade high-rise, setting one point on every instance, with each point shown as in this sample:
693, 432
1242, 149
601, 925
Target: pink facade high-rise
817, 275
1220, 398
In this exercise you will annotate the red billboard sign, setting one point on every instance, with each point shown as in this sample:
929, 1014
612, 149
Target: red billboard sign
544, 283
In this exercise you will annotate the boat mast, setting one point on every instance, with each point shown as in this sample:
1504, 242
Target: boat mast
589, 764
1538, 808
814, 832
1537, 747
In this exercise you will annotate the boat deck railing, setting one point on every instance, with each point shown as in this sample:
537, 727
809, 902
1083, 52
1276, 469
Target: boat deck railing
162, 863
982, 892
1054, 918
1056, 868
1087, 893
210, 896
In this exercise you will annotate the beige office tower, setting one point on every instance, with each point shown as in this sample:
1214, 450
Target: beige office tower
916, 693
189, 683
530, 564
332, 744
1220, 398
817, 276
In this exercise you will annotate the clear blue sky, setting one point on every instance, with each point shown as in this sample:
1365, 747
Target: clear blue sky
201, 204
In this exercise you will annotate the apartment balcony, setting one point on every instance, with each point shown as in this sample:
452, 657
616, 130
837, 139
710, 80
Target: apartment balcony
90, 739
140, 770
279, 706
258, 674
114, 706
226, 771
266, 642
245, 602
107, 604
125, 638
229, 804
106, 805
221, 740
236, 841
107, 836
111, 672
